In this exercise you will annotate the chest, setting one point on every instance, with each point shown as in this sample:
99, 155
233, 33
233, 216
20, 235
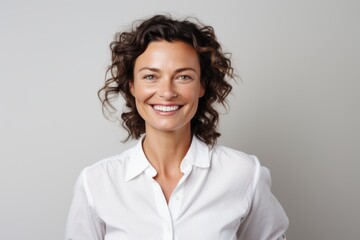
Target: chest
168, 184
197, 208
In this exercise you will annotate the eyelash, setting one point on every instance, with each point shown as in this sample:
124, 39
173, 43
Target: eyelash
149, 77
181, 77
184, 77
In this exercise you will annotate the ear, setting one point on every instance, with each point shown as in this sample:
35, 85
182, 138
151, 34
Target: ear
202, 91
131, 86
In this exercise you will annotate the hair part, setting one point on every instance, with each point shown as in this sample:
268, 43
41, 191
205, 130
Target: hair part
215, 68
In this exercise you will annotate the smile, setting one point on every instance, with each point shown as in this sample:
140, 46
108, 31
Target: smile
164, 108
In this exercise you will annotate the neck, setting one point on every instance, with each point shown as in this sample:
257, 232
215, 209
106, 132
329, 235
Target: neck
165, 150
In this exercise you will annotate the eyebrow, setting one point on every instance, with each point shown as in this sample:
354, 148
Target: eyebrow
176, 71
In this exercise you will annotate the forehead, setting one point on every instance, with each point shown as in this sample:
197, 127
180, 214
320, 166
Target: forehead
168, 54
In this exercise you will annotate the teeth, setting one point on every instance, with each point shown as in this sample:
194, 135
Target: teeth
166, 108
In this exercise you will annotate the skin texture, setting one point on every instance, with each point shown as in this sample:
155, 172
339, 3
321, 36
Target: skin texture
167, 89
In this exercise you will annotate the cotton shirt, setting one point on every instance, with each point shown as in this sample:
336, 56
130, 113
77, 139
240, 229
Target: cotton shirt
223, 194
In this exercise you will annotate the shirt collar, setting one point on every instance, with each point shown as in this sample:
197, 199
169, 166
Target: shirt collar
198, 155
137, 161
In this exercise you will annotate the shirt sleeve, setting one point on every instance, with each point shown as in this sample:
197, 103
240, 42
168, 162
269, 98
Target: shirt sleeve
266, 219
83, 223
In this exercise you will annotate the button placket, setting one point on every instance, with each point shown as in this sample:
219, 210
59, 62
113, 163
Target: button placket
169, 212
175, 201
176, 198
168, 231
161, 205
164, 211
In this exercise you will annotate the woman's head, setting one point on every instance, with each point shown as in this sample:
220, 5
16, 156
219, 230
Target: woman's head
214, 68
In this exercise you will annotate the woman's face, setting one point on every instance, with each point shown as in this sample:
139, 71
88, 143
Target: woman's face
167, 85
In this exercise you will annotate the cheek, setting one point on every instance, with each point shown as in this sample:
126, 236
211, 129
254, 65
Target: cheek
192, 94
142, 93
193, 98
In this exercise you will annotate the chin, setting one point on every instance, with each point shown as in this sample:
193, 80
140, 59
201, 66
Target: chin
167, 129
170, 127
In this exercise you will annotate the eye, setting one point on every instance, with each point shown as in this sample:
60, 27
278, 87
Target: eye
149, 77
184, 77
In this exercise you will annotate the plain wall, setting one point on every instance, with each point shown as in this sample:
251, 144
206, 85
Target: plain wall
296, 106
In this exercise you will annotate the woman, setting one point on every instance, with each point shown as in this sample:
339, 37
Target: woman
176, 183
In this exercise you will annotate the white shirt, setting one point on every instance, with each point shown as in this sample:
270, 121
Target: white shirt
224, 194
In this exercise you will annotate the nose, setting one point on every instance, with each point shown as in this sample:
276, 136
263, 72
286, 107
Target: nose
166, 89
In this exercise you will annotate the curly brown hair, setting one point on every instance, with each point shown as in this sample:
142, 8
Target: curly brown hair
214, 63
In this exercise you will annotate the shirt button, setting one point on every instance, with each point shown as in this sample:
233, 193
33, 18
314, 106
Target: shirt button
177, 198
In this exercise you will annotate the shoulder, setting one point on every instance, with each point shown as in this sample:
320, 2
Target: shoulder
237, 166
234, 158
107, 167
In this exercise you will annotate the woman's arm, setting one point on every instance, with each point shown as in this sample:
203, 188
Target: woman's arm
266, 219
83, 223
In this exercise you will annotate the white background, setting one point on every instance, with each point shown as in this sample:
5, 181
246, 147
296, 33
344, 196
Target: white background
296, 106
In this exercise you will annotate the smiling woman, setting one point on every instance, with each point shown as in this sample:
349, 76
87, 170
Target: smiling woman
176, 183
167, 86
214, 67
